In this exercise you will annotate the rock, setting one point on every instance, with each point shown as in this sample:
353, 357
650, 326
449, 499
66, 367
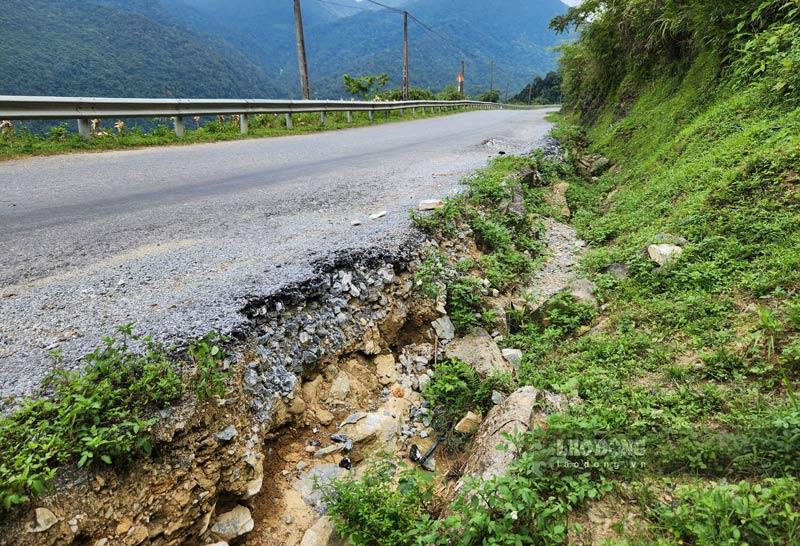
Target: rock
137, 535
664, 254
517, 205
104, 542
323, 533
219, 544
514, 356
353, 419
377, 215
424, 381
444, 328
331, 449
480, 351
340, 387
355, 223
498, 397
533, 179
297, 407
600, 165
430, 204
385, 369
324, 417
123, 526
617, 270
43, 520
383, 428
228, 434
582, 291
468, 424
557, 199
429, 464
233, 524
321, 474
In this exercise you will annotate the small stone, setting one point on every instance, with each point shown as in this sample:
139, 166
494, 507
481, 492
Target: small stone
44, 520
104, 542
430, 204
355, 223
444, 328
324, 417
514, 356
498, 398
354, 418
302, 465
377, 215
288, 520
123, 526
340, 388
385, 369
424, 434
617, 270
469, 424
429, 464
424, 381
600, 165
341, 438
233, 524
228, 434
331, 449
664, 254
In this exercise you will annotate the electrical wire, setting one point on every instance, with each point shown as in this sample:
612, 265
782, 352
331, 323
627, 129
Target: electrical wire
346, 6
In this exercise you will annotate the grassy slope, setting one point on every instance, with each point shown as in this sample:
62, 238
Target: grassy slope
693, 358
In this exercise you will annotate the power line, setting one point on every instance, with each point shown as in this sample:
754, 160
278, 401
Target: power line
398, 10
346, 6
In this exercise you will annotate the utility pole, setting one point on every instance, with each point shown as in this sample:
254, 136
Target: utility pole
530, 92
491, 78
461, 80
301, 51
405, 55
508, 85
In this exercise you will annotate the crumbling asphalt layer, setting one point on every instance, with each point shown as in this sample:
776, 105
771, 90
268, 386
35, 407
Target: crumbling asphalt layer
182, 240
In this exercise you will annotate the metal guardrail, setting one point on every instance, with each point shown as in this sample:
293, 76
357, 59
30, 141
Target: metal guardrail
85, 109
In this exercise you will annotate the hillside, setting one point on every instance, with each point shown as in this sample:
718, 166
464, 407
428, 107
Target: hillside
83, 48
370, 41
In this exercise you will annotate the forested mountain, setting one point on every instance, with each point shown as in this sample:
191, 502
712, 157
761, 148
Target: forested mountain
246, 48
88, 48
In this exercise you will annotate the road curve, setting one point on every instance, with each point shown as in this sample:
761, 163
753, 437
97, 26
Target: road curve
176, 239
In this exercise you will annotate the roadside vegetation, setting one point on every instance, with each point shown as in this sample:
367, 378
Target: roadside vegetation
102, 414
17, 141
684, 426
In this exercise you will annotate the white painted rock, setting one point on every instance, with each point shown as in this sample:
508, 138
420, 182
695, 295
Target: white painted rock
664, 254
431, 204
377, 215
233, 524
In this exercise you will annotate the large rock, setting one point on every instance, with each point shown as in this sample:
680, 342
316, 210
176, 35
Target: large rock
340, 388
323, 533
43, 520
381, 427
233, 524
444, 328
431, 204
582, 291
323, 475
469, 424
514, 356
385, 369
515, 413
480, 351
664, 254
600, 165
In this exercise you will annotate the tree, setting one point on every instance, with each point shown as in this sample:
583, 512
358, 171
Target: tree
489, 96
365, 86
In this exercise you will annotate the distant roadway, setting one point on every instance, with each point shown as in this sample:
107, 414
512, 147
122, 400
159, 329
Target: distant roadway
177, 238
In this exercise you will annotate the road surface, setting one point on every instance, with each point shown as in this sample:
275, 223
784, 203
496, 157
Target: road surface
177, 239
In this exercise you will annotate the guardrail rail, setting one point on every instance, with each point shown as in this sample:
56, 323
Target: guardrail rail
84, 109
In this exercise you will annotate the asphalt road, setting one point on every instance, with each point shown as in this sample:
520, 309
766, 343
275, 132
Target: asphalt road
176, 239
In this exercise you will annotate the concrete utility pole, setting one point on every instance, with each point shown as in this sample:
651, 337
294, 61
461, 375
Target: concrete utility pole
461, 80
405, 55
530, 92
491, 78
508, 85
301, 51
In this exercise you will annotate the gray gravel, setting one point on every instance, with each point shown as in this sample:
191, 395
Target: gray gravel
178, 240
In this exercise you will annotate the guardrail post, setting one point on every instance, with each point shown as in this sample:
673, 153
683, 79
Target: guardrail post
243, 123
414, 112
349, 116
323, 117
289, 124
180, 128
423, 110
388, 114
84, 130
371, 115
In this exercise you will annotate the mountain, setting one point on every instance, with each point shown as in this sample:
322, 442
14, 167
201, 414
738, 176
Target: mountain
366, 39
118, 48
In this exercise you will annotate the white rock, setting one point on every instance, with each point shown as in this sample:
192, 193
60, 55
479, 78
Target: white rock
664, 254
377, 215
514, 356
355, 223
44, 520
431, 204
323, 533
444, 328
340, 388
233, 524
480, 351
385, 369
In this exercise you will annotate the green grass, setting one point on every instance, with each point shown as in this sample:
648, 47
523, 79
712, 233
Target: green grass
102, 414
63, 139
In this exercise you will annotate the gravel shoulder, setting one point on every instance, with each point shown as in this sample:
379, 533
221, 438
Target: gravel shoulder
179, 240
